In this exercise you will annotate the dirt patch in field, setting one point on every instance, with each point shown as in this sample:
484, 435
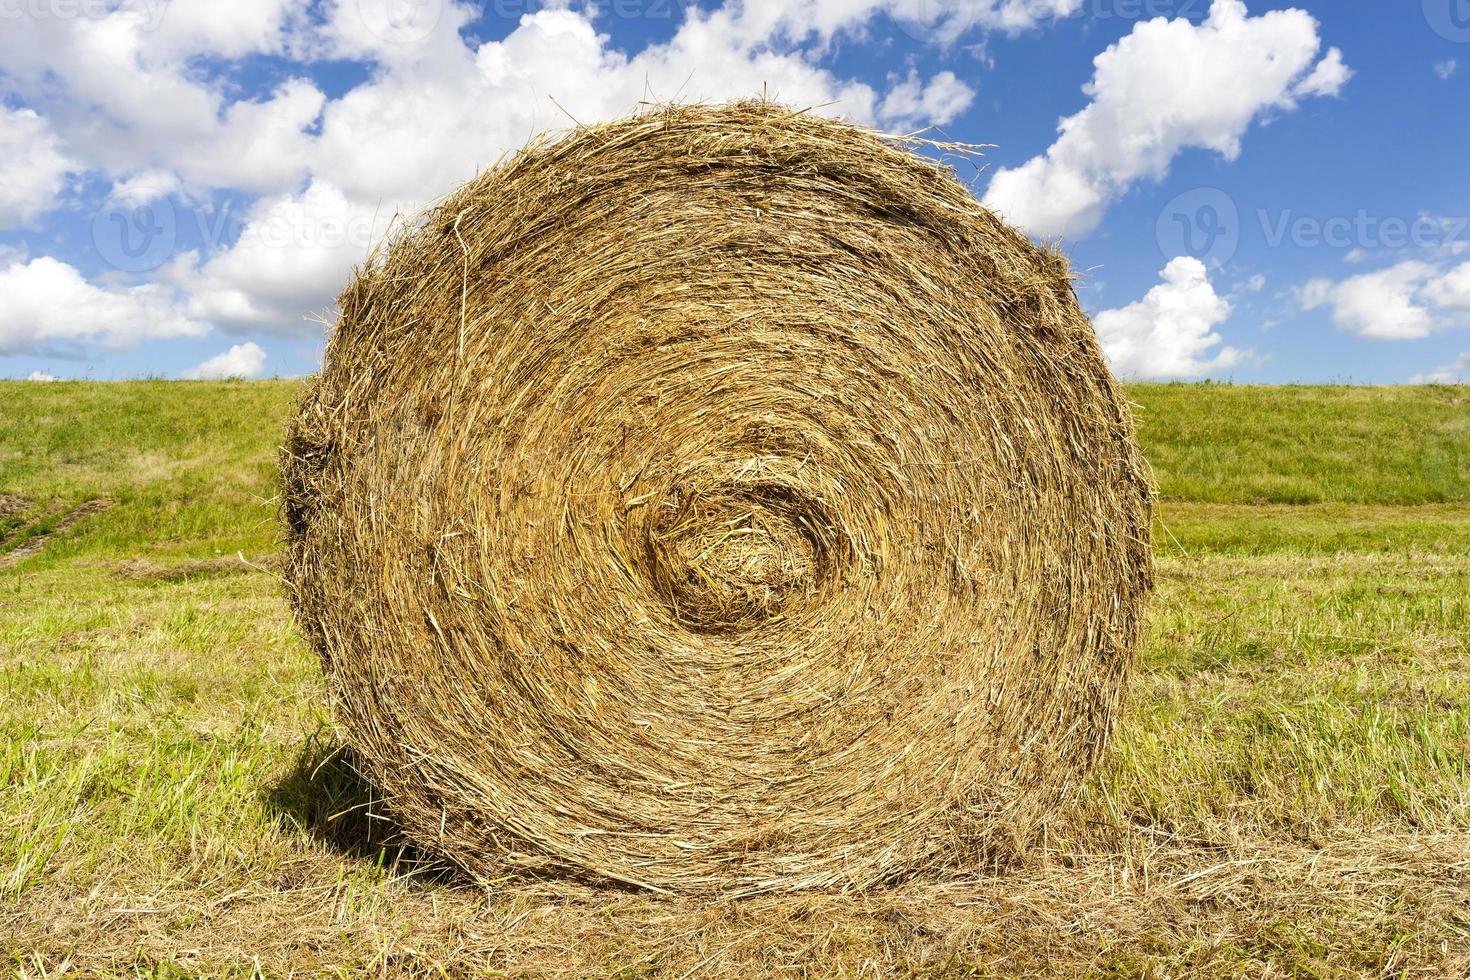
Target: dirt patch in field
35, 545
11, 505
148, 570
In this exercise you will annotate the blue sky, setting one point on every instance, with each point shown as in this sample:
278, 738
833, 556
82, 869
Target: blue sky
1247, 190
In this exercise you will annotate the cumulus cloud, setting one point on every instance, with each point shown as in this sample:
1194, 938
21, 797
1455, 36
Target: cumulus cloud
35, 168
240, 361
1167, 86
223, 28
1445, 69
293, 255
51, 309
439, 110
1451, 291
122, 87
1328, 78
941, 21
144, 187
1170, 333
41, 376
142, 93
129, 96
1457, 372
913, 103
1407, 301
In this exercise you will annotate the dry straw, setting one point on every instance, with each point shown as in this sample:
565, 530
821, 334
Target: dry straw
718, 501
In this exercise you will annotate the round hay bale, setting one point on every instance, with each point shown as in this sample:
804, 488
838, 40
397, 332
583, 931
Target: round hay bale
719, 500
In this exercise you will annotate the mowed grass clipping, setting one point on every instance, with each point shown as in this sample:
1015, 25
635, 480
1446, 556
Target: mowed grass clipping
1288, 794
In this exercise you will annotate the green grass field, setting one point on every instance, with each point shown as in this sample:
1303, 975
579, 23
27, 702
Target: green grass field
1288, 795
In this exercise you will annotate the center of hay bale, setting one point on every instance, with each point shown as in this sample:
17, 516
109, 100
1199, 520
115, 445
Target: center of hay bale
731, 558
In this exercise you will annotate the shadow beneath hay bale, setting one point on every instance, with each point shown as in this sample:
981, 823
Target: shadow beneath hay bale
325, 796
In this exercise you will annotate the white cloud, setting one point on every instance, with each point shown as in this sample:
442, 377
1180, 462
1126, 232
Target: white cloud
441, 112
1407, 301
126, 92
41, 376
123, 89
1457, 372
1444, 69
438, 112
240, 361
257, 145
1167, 86
1314, 293
34, 170
912, 103
1382, 305
1451, 291
395, 31
144, 187
940, 21
1170, 333
1327, 79
290, 261
224, 28
50, 309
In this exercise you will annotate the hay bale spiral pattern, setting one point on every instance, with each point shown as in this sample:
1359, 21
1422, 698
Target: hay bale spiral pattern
719, 500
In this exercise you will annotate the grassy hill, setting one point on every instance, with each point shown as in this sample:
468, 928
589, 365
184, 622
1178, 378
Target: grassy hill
1253, 444
1289, 792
